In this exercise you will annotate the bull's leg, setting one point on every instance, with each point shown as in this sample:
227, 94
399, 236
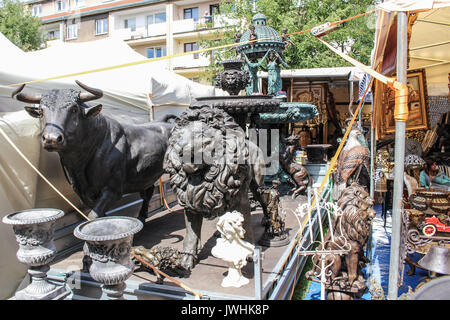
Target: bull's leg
105, 199
192, 239
146, 197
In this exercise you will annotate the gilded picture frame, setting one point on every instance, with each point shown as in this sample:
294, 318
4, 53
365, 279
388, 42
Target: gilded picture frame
417, 104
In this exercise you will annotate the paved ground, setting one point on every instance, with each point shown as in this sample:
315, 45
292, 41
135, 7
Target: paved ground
167, 229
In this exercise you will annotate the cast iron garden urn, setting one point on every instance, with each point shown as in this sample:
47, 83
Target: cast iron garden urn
34, 230
108, 244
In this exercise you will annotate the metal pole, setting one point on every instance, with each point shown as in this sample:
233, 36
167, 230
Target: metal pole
400, 126
372, 184
257, 257
372, 151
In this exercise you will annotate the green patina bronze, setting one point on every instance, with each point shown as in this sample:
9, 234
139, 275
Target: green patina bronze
289, 112
269, 46
269, 39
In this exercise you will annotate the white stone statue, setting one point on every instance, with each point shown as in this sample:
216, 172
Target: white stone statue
232, 249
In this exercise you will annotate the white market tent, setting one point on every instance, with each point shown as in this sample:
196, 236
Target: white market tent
136, 87
134, 94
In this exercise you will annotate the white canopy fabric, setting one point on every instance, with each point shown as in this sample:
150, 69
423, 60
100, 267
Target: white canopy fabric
127, 89
412, 5
428, 47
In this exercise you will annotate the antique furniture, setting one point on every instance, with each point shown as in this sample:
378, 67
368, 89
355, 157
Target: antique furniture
318, 153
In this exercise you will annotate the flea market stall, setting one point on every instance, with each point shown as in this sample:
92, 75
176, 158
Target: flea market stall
425, 71
135, 94
245, 188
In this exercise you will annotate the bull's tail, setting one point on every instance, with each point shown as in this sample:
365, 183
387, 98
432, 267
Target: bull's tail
167, 117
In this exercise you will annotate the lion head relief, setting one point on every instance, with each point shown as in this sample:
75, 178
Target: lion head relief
356, 205
207, 160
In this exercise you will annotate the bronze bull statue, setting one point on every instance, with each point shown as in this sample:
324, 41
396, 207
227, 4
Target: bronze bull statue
102, 158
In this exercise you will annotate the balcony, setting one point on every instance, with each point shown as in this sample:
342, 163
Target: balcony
188, 61
189, 25
152, 30
53, 42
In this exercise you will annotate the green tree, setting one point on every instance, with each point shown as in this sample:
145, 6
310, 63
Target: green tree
19, 26
354, 37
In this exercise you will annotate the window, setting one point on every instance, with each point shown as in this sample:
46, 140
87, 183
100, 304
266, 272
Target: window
79, 3
156, 52
37, 10
191, 46
101, 26
191, 13
156, 18
72, 31
53, 34
214, 9
60, 5
131, 24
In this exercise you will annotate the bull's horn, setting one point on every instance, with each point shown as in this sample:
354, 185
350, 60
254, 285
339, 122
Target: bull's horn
92, 95
28, 98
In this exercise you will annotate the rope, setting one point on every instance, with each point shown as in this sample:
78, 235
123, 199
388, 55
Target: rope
163, 198
172, 56
13, 145
333, 161
178, 283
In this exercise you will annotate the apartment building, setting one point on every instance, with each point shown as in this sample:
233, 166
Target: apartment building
154, 28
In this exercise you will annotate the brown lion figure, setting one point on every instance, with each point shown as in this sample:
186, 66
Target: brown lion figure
211, 167
350, 230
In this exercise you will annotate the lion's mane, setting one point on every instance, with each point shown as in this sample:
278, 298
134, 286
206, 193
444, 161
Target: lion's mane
207, 187
355, 204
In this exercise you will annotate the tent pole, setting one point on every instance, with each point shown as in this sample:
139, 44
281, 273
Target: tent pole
399, 158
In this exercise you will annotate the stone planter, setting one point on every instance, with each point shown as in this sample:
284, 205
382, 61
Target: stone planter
108, 244
34, 230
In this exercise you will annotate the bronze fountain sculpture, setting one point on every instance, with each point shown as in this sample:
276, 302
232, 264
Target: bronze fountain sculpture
207, 181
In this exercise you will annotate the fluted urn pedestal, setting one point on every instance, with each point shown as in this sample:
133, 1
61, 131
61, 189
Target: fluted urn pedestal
34, 230
108, 244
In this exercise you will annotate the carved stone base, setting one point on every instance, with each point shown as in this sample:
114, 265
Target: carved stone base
341, 289
114, 292
274, 241
234, 279
40, 288
58, 293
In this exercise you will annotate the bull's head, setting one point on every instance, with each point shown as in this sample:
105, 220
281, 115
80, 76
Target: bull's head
62, 110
